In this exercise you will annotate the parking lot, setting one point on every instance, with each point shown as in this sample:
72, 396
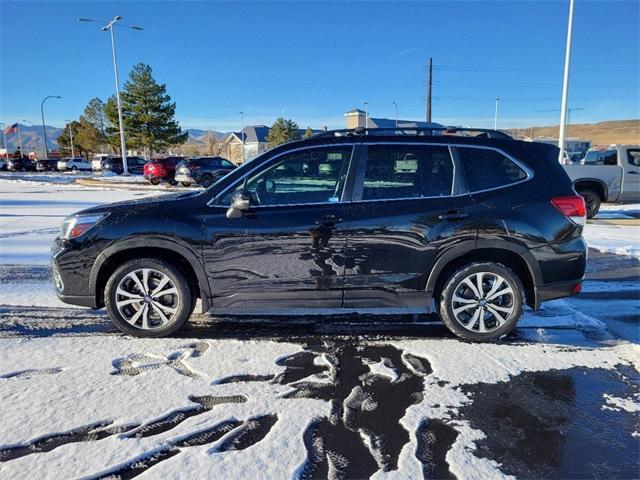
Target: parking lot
338, 396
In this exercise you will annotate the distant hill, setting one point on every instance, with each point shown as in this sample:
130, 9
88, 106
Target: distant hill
602, 133
32, 137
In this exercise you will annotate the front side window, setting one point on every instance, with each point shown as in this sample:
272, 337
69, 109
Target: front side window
407, 171
633, 156
487, 168
307, 176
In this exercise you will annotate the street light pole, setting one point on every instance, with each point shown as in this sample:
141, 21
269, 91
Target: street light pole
44, 129
565, 85
4, 137
495, 117
366, 114
242, 136
73, 155
396, 105
109, 26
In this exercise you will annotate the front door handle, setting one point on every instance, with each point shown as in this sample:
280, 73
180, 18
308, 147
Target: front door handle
453, 215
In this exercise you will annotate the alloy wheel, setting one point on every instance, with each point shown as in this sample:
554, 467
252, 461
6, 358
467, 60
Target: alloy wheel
147, 299
482, 302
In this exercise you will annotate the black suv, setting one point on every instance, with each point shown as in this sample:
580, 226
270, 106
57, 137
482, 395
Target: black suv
473, 227
135, 165
202, 170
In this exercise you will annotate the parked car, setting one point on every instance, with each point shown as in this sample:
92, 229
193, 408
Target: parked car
202, 170
3, 163
610, 174
97, 161
474, 228
135, 165
46, 165
73, 164
161, 169
24, 164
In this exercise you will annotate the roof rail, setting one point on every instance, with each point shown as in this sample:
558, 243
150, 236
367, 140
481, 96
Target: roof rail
422, 131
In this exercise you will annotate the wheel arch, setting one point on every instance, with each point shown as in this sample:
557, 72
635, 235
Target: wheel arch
594, 184
519, 260
179, 255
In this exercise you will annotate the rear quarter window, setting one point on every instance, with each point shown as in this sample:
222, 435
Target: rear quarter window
486, 168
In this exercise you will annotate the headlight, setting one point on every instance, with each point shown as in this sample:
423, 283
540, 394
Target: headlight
76, 225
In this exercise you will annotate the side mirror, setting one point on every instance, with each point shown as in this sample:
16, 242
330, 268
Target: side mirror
240, 202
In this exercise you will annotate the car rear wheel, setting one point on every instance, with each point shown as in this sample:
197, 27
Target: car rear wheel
154, 181
148, 297
482, 301
185, 184
206, 180
591, 201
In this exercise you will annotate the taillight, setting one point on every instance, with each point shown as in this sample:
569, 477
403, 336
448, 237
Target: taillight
572, 207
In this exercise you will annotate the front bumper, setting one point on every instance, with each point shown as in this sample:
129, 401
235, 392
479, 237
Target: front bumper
70, 274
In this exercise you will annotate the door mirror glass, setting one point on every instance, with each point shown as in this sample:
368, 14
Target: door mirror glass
240, 202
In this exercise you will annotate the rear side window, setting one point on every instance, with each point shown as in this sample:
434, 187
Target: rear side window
487, 168
407, 171
606, 157
633, 156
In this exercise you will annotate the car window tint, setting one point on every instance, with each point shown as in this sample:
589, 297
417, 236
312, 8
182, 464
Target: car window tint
407, 171
487, 168
307, 176
633, 156
610, 157
226, 163
592, 158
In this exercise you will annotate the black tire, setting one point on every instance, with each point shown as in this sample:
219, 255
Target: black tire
74, 169
154, 181
184, 306
592, 201
173, 183
206, 180
185, 184
453, 284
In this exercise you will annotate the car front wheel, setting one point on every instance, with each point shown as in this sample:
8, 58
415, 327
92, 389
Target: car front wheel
482, 301
148, 297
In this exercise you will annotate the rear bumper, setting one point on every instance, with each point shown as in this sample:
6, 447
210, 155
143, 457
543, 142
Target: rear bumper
181, 177
557, 290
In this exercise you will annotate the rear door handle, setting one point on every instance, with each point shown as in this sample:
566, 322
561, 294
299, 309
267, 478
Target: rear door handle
453, 215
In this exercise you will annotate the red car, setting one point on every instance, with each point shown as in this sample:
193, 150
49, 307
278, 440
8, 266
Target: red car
161, 169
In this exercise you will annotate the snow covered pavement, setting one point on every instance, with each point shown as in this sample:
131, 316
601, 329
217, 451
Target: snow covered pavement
355, 396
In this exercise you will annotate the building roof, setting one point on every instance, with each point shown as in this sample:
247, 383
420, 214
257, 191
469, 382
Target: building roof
355, 110
258, 133
391, 123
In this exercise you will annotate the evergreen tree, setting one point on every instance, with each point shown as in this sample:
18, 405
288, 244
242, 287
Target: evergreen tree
148, 114
282, 131
308, 133
93, 125
79, 145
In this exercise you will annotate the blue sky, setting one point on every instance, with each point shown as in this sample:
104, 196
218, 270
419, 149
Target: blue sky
313, 61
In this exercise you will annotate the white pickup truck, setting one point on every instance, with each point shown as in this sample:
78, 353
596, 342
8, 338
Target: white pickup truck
607, 175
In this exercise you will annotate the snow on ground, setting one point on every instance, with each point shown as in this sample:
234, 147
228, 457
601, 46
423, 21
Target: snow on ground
618, 239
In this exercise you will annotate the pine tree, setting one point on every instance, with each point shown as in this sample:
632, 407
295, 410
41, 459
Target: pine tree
148, 113
282, 131
308, 133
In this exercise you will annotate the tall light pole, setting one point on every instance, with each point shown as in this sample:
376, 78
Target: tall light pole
565, 84
109, 26
396, 105
44, 129
366, 114
4, 137
242, 135
73, 155
495, 116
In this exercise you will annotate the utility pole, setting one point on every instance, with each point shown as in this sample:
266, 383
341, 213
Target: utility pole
396, 105
495, 118
429, 84
366, 114
71, 138
20, 140
242, 136
4, 137
565, 85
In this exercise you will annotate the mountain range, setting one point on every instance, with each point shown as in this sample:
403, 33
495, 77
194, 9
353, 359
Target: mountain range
32, 137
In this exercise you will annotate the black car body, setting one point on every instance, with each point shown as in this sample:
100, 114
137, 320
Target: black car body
202, 170
24, 164
46, 165
135, 165
347, 221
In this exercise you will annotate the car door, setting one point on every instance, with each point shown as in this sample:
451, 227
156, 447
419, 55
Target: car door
408, 209
288, 249
630, 161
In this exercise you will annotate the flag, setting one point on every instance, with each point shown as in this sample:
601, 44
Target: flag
11, 129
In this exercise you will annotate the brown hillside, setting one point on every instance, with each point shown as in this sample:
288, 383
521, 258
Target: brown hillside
602, 133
